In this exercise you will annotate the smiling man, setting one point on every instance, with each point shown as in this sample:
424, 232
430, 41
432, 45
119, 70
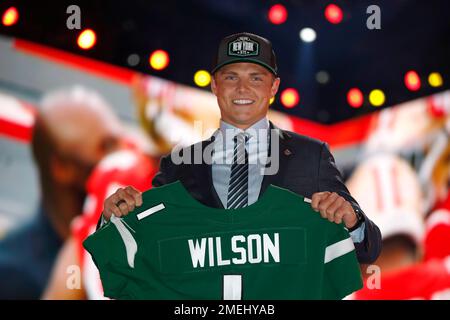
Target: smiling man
245, 78
243, 92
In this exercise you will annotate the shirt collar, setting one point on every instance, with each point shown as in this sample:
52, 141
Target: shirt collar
226, 132
227, 128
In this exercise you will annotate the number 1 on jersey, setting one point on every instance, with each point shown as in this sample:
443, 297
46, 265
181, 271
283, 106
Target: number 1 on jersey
232, 287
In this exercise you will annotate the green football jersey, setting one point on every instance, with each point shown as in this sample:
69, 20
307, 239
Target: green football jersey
174, 247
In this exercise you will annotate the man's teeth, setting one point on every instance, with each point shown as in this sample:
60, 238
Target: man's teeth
242, 101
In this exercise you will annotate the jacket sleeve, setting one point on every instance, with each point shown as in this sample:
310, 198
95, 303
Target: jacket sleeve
330, 179
162, 177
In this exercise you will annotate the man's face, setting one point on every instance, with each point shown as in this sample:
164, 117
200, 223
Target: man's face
83, 137
243, 92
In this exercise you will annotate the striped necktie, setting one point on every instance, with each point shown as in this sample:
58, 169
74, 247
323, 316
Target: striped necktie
238, 186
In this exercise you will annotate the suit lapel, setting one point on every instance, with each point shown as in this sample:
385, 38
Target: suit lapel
205, 183
284, 153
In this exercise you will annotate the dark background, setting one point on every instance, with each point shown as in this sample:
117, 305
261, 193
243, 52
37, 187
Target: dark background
414, 35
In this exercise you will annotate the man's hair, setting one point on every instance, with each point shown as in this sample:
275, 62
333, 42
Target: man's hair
401, 241
43, 142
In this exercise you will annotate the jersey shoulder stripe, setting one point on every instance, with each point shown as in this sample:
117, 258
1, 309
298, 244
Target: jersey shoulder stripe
150, 211
338, 249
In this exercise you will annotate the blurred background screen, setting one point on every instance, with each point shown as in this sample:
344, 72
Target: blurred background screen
93, 93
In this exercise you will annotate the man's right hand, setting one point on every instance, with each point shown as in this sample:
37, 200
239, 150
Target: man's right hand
122, 202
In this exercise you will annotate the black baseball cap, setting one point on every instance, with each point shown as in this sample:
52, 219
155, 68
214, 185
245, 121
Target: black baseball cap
246, 47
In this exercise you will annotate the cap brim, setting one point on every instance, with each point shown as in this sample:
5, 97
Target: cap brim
244, 60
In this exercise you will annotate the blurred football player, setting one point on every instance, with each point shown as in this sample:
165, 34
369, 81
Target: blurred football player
391, 194
420, 130
435, 175
127, 167
74, 128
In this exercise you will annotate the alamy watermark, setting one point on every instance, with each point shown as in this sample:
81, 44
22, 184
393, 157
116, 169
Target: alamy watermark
73, 281
374, 20
74, 20
262, 149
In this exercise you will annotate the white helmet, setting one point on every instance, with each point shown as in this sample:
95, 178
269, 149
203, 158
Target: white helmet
389, 193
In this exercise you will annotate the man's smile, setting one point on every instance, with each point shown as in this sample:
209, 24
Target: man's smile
243, 101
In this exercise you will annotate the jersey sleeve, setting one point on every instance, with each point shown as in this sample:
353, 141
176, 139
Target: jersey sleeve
342, 274
113, 249
437, 233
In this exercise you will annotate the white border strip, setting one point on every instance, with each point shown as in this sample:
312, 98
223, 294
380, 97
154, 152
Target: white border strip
131, 246
338, 249
232, 287
152, 210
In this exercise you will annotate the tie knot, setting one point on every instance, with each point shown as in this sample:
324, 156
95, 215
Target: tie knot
241, 137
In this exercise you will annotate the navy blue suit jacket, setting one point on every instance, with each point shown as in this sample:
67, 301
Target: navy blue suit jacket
307, 167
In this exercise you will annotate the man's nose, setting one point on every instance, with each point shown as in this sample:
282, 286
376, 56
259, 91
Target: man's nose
243, 86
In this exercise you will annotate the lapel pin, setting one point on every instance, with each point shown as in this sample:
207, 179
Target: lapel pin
287, 152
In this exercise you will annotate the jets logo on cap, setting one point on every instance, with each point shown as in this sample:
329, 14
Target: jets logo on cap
243, 47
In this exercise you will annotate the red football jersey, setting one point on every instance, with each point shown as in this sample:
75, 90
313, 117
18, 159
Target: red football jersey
425, 281
117, 170
437, 234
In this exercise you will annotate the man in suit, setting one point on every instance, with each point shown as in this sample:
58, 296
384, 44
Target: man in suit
244, 80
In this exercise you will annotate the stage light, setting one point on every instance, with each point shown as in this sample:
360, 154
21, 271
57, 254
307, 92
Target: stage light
10, 17
277, 14
333, 14
307, 35
355, 98
159, 59
202, 78
377, 97
322, 77
87, 39
412, 80
271, 100
435, 79
290, 98
133, 59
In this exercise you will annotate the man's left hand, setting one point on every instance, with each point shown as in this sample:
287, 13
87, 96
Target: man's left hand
334, 208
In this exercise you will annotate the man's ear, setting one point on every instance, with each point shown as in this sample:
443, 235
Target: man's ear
62, 172
275, 86
213, 85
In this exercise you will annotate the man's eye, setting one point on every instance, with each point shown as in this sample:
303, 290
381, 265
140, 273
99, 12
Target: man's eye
257, 79
230, 77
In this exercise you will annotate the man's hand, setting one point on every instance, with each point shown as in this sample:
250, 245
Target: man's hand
334, 208
122, 202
